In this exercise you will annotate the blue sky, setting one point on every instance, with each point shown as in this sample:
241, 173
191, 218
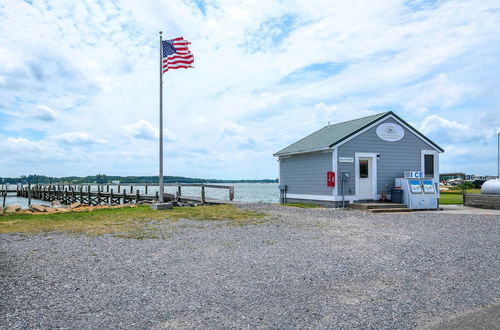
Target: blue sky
79, 81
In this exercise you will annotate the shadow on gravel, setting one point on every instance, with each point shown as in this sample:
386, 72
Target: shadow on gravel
486, 317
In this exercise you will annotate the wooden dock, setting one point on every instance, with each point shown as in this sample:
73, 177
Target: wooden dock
97, 194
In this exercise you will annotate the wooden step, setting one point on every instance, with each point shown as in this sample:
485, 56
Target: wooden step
372, 206
390, 210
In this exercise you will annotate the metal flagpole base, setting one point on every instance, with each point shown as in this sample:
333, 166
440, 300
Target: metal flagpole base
162, 206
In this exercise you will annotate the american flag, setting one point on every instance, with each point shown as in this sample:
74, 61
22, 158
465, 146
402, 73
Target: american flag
176, 54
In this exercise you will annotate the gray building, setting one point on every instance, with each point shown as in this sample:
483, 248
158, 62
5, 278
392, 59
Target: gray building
373, 150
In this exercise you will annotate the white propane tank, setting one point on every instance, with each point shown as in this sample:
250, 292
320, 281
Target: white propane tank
491, 187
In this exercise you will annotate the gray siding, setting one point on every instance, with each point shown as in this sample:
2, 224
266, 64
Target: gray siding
306, 174
395, 157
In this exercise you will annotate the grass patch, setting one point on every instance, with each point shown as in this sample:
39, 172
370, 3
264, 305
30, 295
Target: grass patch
303, 205
451, 198
134, 222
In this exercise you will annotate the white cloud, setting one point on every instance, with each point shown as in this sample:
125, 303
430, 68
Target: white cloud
146, 131
338, 113
142, 130
241, 102
453, 131
77, 139
43, 112
19, 146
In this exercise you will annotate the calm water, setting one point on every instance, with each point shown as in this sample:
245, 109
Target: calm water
244, 192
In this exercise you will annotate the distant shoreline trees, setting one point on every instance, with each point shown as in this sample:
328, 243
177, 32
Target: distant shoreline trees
103, 179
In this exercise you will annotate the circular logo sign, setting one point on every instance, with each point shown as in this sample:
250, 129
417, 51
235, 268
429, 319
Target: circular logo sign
390, 132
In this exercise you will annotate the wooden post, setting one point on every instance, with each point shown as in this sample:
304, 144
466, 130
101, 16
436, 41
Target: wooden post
118, 188
66, 196
81, 194
157, 196
179, 191
202, 195
131, 189
4, 198
231, 193
146, 189
124, 197
137, 196
29, 194
107, 188
110, 201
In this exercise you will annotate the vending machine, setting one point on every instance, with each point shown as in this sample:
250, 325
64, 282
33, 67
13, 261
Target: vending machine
418, 192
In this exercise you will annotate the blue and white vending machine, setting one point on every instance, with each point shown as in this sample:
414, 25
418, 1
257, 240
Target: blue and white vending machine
418, 192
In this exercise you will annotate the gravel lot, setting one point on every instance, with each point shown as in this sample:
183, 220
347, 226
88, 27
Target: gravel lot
305, 268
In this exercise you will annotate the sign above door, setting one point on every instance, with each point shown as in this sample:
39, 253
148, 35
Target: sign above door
390, 132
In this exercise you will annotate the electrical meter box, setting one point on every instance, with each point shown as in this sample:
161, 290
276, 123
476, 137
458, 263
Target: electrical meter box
418, 193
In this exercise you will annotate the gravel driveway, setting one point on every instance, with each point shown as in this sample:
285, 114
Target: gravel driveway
304, 268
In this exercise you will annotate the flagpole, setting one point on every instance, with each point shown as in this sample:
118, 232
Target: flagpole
161, 187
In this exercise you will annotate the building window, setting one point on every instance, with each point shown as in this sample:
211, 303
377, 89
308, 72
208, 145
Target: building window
429, 166
363, 168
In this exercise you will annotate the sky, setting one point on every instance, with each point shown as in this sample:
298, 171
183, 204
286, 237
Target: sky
79, 81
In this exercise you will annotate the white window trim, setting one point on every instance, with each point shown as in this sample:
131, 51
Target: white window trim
357, 155
436, 166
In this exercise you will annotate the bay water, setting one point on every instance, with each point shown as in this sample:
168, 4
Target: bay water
243, 192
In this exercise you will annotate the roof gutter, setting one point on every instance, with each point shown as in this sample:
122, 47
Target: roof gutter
301, 152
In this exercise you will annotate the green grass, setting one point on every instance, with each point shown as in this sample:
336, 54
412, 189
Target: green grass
133, 222
450, 198
454, 197
303, 205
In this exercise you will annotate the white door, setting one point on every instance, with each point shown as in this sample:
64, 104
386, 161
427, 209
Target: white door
365, 178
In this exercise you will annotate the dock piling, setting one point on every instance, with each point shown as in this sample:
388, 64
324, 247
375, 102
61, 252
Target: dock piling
96, 194
29, 194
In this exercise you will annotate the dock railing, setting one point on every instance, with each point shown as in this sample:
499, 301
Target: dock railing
97, 193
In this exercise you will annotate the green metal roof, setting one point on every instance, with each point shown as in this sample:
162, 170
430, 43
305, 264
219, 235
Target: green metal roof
331, 135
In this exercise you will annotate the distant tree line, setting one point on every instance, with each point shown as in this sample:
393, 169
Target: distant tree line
103, 178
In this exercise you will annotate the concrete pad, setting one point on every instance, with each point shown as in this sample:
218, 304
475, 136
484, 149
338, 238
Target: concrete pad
460, 209
162, 206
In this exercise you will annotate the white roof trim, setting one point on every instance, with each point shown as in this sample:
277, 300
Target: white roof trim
417, 134
304, 152
382, 119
